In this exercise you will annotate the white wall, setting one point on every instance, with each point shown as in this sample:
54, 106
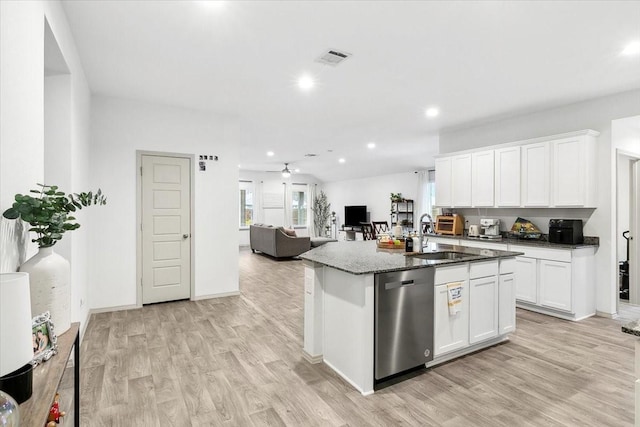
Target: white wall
22, 131
119, 128
594, 114
272, 182
374, 192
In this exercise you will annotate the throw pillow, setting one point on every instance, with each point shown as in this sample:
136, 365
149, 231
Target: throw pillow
290, 232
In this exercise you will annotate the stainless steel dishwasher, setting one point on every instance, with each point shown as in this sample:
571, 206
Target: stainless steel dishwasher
403, 320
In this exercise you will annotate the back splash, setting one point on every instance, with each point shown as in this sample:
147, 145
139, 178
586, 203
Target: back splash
539, 217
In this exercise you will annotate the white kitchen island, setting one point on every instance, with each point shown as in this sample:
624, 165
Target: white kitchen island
339, 312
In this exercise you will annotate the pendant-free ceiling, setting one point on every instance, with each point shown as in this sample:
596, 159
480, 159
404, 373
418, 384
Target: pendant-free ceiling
286, 173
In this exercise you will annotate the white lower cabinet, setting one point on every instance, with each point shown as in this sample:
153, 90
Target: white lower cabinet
506, 304
483, 309
558, 282
555, 284
488, 304
527, 279
451, 331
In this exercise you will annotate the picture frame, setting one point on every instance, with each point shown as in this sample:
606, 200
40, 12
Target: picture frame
45, 341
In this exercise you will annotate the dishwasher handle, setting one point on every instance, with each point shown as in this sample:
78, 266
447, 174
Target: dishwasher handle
394, 285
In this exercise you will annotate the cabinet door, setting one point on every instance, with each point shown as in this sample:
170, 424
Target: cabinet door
506, 304
482, 182
535, 174
461, 180
483, 309
443, 181
507, 177
451, 332
527, 279
555, 285
568, 180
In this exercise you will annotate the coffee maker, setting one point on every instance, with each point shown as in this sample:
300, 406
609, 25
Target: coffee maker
491, 228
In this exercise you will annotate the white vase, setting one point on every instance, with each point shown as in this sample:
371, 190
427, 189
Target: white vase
49, 275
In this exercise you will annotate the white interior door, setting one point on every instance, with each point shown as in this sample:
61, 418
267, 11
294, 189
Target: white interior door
166, 228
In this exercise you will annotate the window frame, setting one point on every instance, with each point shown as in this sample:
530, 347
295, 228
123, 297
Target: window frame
247, 187
300, 188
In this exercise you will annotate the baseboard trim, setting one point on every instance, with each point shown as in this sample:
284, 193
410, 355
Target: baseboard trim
110, 309
211, 296
311, 359
607, 315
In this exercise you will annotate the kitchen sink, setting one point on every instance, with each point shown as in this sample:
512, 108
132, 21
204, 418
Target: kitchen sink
437, 256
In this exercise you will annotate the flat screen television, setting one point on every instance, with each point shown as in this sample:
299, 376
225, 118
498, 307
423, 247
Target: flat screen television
354, 215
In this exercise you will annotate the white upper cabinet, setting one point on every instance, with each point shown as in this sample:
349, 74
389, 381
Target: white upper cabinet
482, 186
507, 177
461, 180
443, 182
535, 175
554, 171
573, 175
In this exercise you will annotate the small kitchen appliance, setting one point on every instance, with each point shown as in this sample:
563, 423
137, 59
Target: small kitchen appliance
491, 227
452, 225
474, 231
566, 231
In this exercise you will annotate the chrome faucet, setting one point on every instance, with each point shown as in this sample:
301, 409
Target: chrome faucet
421, 231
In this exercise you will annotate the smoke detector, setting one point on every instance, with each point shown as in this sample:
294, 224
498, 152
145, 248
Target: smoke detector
333, 57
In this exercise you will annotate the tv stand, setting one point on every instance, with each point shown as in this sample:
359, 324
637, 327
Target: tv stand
350, 233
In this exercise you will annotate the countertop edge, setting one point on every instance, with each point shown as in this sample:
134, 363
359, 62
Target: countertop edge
632, 328
446, 263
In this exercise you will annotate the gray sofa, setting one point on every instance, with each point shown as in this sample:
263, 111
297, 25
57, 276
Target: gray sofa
273, 241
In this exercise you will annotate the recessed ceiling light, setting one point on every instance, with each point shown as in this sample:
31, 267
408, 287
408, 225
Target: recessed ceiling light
341, 160
297, 170
211, 4
306, 82
632, 48
270, 153
432, 112
371, 145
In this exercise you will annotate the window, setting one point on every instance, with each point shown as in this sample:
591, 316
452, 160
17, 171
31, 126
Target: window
431, 191
299, 204
246, 203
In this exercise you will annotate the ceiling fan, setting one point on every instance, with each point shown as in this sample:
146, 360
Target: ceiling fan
286, 172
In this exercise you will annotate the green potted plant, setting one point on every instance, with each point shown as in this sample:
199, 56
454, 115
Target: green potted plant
49, 214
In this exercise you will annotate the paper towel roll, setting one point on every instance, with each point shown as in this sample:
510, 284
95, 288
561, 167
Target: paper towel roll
16, 344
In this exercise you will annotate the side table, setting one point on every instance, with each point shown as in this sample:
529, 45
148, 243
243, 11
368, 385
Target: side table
46, 381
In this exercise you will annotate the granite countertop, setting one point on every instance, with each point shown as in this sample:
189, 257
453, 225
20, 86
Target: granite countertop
364, 257
632, 328
543, 243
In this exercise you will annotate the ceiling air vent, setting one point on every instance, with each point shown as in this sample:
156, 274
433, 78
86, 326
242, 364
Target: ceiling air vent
310, 155
333, 57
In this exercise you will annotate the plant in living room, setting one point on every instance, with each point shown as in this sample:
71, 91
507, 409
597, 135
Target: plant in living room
50, 215
321, 213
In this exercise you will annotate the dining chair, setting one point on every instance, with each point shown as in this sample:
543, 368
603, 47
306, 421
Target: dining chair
367, 232
379, 227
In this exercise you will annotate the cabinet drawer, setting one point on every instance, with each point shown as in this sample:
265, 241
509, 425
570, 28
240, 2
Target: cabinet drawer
507, 265
483, 269
456, 273
561, 255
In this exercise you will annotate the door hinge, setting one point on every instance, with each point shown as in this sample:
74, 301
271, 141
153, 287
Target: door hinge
140, 170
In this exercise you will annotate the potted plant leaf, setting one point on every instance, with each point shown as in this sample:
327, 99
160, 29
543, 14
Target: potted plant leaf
49, 214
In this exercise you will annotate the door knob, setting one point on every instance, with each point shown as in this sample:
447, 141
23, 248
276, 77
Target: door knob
185, 236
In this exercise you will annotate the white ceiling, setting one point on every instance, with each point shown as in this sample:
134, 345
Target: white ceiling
477, 61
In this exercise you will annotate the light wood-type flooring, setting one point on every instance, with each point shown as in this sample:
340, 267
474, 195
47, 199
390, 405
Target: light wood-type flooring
237, 361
